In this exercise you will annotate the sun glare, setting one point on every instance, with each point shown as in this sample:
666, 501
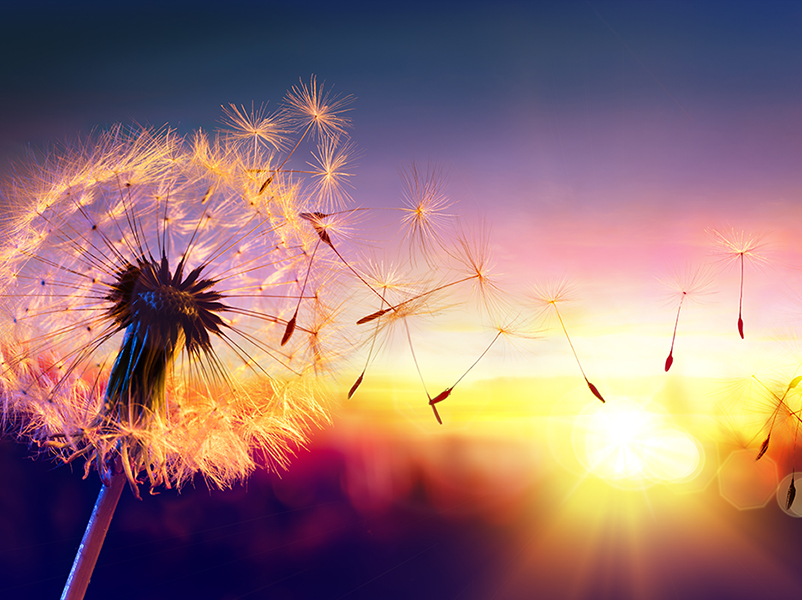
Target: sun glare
629, 445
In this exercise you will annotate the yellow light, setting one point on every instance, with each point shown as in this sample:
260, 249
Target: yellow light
630, 446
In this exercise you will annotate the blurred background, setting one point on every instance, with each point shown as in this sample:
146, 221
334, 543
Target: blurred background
602, 143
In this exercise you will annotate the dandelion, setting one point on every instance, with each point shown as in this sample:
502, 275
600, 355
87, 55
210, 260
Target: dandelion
145, 282
739, 246
549, 296
686, 285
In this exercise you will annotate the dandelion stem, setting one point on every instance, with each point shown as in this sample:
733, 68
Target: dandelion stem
420, 374
447, 392
741, 300
291, 323
92, 542
476, 362
789, 499
781, 401
670, 359
594, 390
358, 382
298, 143
395, 307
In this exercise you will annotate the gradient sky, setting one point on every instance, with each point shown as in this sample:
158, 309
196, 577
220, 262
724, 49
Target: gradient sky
601, 142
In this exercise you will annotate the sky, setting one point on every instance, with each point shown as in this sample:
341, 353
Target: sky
609, 146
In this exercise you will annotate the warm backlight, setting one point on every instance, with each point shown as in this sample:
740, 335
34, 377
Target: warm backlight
628, 444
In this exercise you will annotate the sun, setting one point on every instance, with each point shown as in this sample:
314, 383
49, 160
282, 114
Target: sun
629, 445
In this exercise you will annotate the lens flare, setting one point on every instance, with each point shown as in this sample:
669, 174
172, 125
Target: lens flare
631, 446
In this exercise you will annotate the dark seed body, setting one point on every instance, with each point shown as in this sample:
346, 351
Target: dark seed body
763, 447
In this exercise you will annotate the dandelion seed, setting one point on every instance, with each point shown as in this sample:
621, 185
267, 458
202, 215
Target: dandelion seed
473, 257
288, 331
356, 384
265, 185
688, 285
509, 330
255, 128
317, 113
322, 224
447, 392
474, 261
763, 447
740, 246
318, 224
385, 280
374, 315
549, 297
781, 411
309, 107
439, 398
329, 173
789, 499
424, 208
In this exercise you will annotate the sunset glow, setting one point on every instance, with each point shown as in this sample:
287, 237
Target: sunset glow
512, 292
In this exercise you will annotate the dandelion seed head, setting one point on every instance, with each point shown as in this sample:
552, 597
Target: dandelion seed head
143, 284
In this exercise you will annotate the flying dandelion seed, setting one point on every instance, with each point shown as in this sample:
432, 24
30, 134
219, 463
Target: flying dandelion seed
386, 280
688, 286
473, 258
424, 209
472, 255
782, 412
776, 413
310, 108
740, 247
548, 297
789, 499
422, 213
145, 280
502, 331
330, 172
252, 130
